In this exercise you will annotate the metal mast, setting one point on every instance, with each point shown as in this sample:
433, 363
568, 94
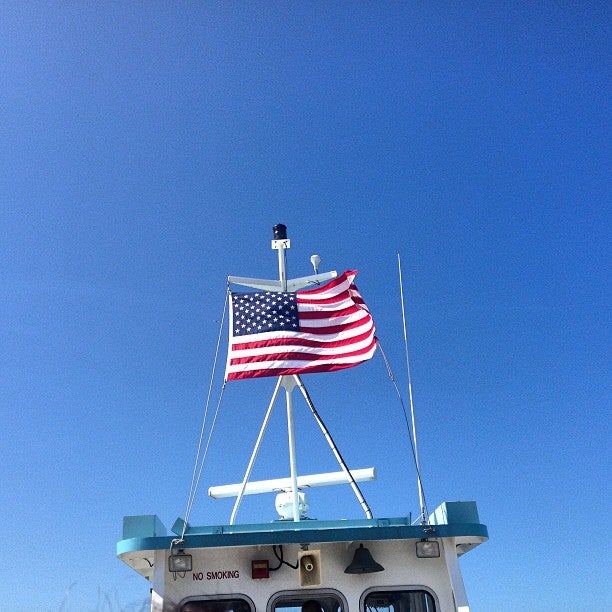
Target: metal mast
281, 243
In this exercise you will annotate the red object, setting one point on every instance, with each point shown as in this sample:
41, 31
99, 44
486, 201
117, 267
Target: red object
260, 569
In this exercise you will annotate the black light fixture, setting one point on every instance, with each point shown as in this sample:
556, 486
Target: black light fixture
363, 563
280, 231
427, 549
179, 562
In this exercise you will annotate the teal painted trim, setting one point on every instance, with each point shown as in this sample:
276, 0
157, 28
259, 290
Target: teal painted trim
277, 526
305, 532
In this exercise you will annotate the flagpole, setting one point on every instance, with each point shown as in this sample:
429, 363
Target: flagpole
281, 243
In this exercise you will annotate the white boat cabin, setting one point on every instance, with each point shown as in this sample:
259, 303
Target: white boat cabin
381, 565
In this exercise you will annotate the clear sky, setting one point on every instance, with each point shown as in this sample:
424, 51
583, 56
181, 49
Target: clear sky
147, 149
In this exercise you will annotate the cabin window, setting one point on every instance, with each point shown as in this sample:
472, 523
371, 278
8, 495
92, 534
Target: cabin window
399, 601
216, 605
327, 600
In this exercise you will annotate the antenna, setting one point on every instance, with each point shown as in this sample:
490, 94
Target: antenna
414, 433
315, 260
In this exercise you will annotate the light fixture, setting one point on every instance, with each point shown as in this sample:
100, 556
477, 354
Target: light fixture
280, 231
363, 563
260, 568
179, 562
427, 549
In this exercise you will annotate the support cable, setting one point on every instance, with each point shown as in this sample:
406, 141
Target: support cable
424, 515
195, 477
210, 433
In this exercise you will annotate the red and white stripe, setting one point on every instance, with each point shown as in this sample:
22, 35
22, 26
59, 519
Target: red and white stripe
336, 332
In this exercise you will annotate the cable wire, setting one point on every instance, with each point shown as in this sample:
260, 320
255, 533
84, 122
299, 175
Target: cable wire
423, 515
196, 479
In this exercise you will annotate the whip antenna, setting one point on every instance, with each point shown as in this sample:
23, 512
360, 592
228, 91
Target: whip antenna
424, 514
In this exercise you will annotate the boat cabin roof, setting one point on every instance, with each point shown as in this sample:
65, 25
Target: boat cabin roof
146, 534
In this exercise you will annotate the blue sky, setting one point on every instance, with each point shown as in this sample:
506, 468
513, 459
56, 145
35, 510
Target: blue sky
148, 148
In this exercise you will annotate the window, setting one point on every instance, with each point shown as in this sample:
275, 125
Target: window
399, 601
216, 605
327, 602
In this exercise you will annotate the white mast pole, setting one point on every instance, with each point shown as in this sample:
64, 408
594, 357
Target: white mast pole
414, 431
281, 243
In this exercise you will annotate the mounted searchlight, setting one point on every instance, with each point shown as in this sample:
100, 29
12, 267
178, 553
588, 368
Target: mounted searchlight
179, 562
427, 549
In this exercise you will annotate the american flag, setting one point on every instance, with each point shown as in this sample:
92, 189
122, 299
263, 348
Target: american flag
314, 330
